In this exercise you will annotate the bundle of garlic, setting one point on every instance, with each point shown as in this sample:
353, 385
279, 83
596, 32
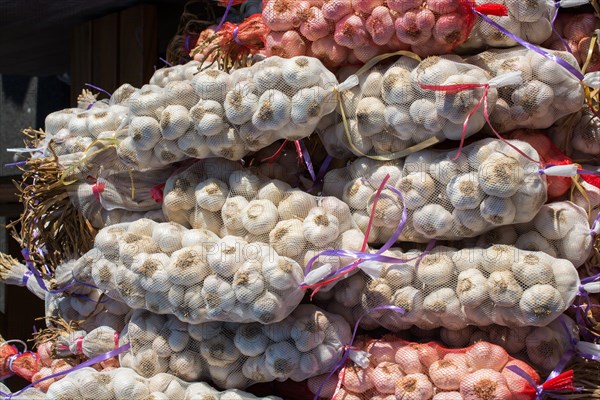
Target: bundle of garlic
548, 91
80, 301
542, 347
576, 31
559, 229
529, 20
124, 383
194, 274
307, 343
90, 344
397, 106
342, 32
220, 196
453, 288
213, 113
447, 196
397, 369
12, 272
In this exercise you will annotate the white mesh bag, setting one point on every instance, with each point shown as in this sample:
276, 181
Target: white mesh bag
582, 139
213, 113
307, 343
489, 185
559, 229
124, 383
194, 274
528, 20
591, 200
397, 106
455, 288
548, 92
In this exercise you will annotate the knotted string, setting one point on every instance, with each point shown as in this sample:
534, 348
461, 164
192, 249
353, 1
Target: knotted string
560, 383
157, 192
347, 349
363, 256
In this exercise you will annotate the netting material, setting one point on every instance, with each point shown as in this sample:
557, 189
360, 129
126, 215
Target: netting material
307, 343
213, 113
576, 29
402, 370
455, 288
528, 20
489, 185
341, 32
559, 229
124, 383
548, 92
395, 107
582, 138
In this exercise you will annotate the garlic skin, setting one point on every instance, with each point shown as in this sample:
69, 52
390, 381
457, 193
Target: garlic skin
541, 304
471, 288
231, 213
417, 188
464, 192
435, 270
491, 381
498, 211
259, 217
384, 377
414, 387
296, 204
240, 103
300, 72
248, 282
432, 221
273, 111
287, 238
250, 340
320, 228
211, 194
144, 132
446, 374
504, 290
533, 269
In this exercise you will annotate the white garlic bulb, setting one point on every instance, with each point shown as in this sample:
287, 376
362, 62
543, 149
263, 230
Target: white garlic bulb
432, 221
301, 72
211, 194
240, 103
259, 217
320, 227
273, 111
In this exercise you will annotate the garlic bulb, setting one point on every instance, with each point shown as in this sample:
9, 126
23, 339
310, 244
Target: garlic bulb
259, 217
541, 304
504, 290
211, 194
432, 220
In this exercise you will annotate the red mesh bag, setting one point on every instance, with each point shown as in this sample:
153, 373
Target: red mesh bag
344, 31
398, 369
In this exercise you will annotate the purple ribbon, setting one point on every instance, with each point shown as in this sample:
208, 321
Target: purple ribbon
15, 164
307, 160
88, 363
539, 389
229, 4
321, 174
168, 64
563, 41
574, 71
361, 257
347, 348
25, 277
99, 89
235, 36
594, 225
581, 312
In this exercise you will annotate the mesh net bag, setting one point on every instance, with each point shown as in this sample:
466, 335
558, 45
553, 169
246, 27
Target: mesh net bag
589, 197
580, 136
548, 91
559, 229
541, 347
408, 102
487, 186
124, 383
576, 31
194, 275
445, 287
213, 113
403, 370
339, 32
528, 20
307, 343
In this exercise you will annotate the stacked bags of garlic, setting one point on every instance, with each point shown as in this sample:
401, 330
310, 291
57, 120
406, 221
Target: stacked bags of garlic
402, 370
342, 32
402, 104
446, 287
307, 343
213, 113
548, 92
447, 195
124, 383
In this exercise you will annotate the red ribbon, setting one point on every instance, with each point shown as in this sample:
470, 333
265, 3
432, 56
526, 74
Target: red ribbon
97, 188
157, 192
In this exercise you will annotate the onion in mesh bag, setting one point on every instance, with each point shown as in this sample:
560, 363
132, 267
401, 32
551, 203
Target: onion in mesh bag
548, 92
213, 113
121, 383
455, 288
407, 103
398, 369
447, 196
306, 343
